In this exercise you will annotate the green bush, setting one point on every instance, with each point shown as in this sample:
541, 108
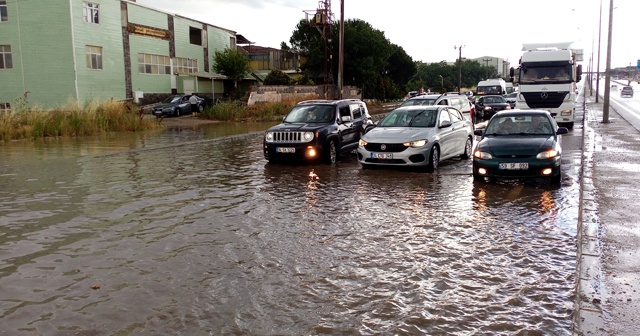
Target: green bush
277, 77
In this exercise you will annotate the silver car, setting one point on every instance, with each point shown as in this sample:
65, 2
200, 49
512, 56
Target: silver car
417, 136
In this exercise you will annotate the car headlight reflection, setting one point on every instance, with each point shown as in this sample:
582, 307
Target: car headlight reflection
482, 155
547, 154
417, 143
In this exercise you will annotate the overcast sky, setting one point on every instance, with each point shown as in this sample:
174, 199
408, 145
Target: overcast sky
429, 30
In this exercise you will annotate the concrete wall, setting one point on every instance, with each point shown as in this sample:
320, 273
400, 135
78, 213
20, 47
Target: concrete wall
277, 93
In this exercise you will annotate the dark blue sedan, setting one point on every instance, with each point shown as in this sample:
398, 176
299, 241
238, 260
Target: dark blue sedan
176, 105
519, 144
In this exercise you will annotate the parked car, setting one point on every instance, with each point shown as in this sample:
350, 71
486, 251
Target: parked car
417, 136
487, 106
519, 144
176, 105
317, 129
614, 87
627, 91
511, 98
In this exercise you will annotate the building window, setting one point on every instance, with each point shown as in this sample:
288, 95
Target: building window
5, 107
186, 65
90, 12
4, 16
94, 57
5, 57
195, 36
232, 43
154, 64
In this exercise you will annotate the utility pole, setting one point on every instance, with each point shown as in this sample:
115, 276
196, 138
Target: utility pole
341, 50
460, 65
607, 80
486, 64
598, 68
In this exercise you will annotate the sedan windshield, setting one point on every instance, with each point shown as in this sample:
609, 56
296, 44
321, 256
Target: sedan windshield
171, 99
410, 118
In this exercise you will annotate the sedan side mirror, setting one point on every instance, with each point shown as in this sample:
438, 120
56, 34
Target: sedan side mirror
445, 123
478, 132
562, 130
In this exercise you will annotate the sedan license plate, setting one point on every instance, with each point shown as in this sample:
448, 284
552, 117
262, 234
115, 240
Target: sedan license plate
514, 166
285, 149
384, 156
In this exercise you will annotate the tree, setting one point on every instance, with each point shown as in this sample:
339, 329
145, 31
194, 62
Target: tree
277, 77
231, 63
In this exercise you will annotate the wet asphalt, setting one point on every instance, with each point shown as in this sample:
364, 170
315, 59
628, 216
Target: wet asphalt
608, 288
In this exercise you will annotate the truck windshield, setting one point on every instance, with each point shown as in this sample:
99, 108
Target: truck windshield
546, 74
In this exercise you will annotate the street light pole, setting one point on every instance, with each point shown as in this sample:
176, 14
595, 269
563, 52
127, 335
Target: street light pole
341, 51
607, 80
459, 66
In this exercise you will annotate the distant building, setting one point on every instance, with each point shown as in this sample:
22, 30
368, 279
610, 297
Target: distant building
501, 66
264, 59
56, 50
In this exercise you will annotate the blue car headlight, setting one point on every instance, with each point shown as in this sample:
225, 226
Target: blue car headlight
547, 154
482, 155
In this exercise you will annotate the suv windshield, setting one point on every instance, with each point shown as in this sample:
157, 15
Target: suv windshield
419, 101
311, 114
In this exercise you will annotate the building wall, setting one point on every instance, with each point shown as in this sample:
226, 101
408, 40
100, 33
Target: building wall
49, 39
43, 61
108, 82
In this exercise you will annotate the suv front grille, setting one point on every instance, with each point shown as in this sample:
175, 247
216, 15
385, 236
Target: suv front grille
287, 137
390, 148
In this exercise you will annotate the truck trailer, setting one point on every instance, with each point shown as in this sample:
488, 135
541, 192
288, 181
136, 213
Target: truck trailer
547, 80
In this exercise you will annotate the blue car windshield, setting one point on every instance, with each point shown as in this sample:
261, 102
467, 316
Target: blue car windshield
410, 118
520, 125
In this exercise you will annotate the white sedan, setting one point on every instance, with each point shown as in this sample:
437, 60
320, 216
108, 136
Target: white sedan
417, 136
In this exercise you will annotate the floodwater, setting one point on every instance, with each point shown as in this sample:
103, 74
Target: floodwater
191, 232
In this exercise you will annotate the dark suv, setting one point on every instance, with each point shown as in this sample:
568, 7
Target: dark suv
317, 129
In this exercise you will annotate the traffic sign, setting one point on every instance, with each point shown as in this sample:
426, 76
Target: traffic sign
639, 64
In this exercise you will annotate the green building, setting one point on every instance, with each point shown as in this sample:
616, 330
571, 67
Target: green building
56, 51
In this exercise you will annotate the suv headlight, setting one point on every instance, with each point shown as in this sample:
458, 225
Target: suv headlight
307, 136
268, 136
362, 143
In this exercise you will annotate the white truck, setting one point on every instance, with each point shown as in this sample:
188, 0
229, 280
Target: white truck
547, 78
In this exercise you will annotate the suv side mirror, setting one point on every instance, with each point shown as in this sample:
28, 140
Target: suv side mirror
345, 118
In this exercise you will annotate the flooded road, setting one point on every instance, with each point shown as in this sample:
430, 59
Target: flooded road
191, 232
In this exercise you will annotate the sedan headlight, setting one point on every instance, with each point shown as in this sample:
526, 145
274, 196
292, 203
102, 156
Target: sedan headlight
362, 143
307, 136
482, 155
417, 143
547, 154
487, 108
268, 136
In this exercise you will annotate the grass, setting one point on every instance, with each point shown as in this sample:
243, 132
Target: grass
72, 120
238, 111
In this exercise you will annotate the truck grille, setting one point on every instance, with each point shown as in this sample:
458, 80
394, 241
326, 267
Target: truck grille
285, 137
544, 99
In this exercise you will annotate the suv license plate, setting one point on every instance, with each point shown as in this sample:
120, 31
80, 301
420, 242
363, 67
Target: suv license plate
514, 166
384, 156
285, 149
